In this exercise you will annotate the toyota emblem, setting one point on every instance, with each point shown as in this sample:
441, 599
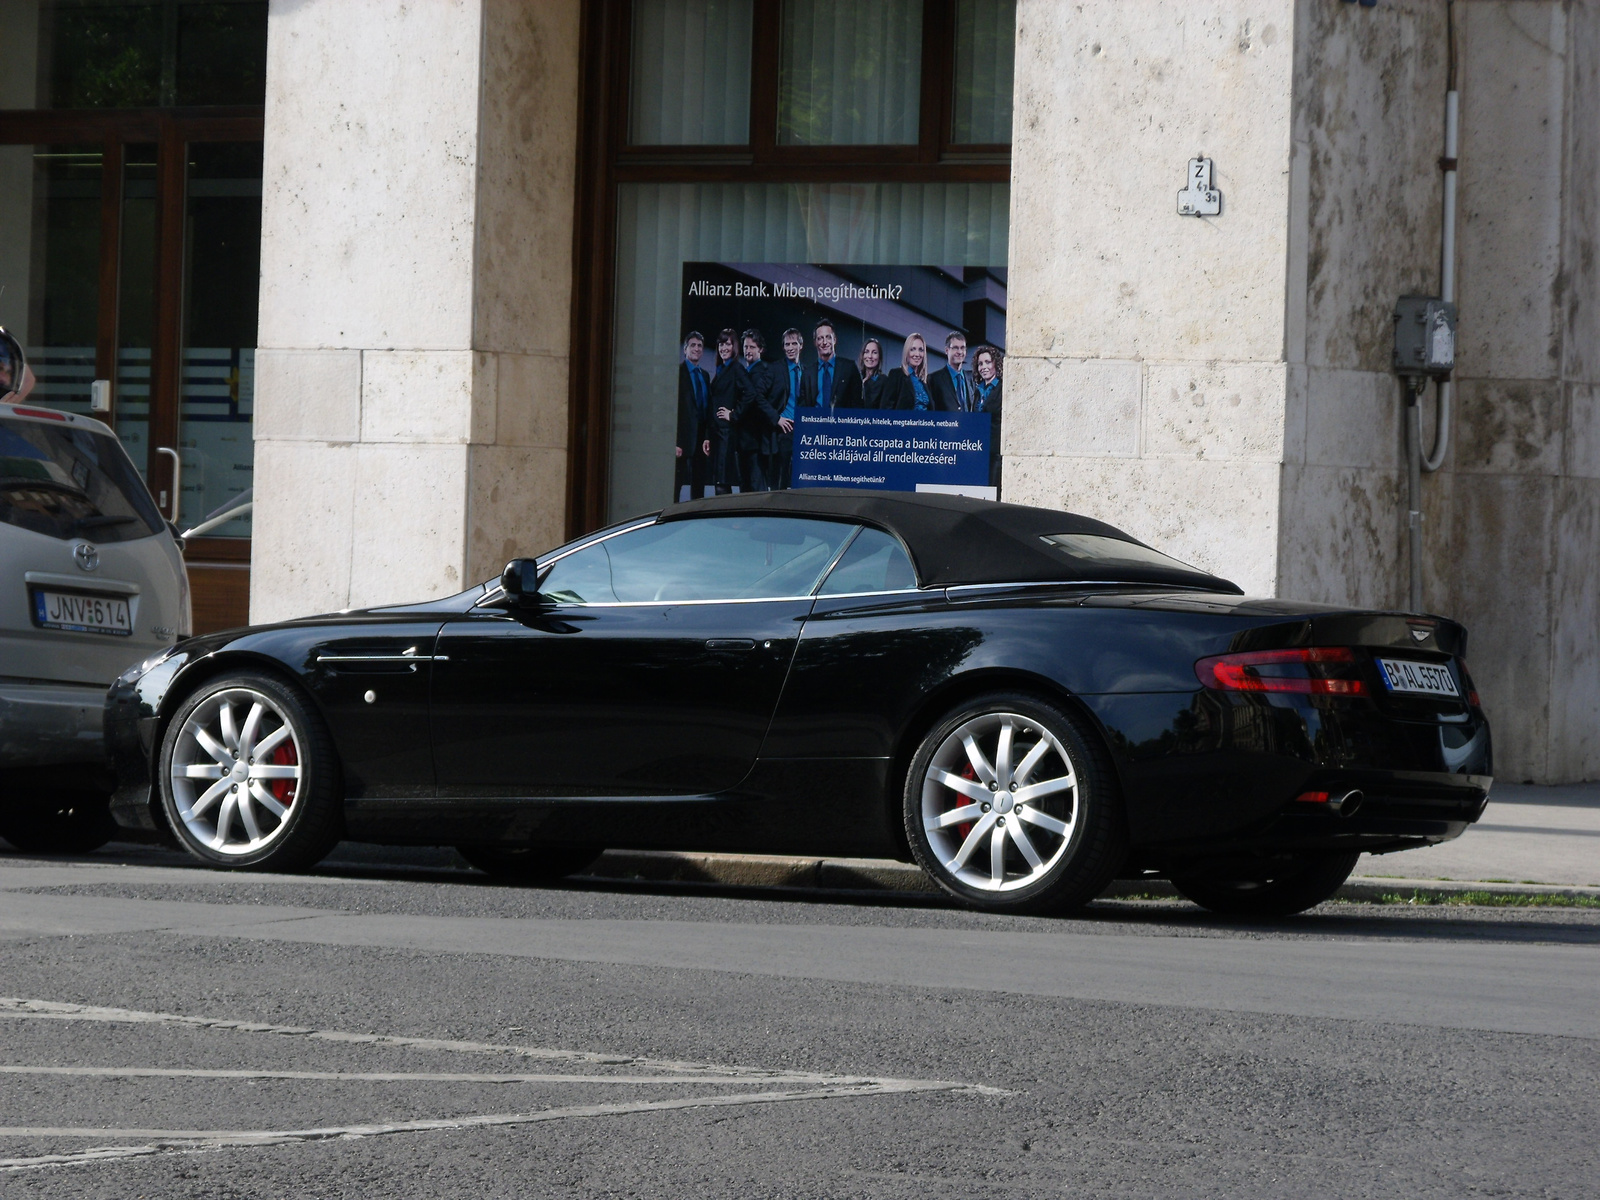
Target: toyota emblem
86, 555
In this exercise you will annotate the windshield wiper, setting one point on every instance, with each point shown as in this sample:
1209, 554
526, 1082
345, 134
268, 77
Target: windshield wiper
98, 522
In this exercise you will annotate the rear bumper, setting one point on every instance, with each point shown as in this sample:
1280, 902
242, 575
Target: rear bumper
1397, 811
1204, 773
51, 724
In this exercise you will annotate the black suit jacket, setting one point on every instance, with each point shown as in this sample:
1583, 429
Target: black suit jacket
760, 405
693, 425
727, 389
942, 387
898, 392
872, 391
846, 384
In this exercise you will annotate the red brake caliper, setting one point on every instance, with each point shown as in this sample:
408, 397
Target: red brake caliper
283, 789
966, 826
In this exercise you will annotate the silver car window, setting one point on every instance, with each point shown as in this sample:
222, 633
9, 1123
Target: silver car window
703, 558
66, 481
875, 562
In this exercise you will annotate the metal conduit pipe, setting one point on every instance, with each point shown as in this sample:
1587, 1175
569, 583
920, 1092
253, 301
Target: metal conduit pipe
1414, 490
1447, 237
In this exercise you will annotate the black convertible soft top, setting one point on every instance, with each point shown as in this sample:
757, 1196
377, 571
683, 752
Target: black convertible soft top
957, 539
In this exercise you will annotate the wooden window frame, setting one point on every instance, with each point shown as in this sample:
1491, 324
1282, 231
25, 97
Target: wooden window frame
171, 131
605, 161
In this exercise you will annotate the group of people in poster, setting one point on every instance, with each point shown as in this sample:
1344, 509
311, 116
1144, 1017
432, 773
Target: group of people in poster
736, 410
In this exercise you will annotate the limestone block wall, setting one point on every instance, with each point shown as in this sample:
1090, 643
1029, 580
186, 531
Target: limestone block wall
1364, 224
1511, 523
1146, 382
1515, 514
416, 280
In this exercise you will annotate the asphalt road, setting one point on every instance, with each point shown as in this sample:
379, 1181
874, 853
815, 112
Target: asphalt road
393, 1026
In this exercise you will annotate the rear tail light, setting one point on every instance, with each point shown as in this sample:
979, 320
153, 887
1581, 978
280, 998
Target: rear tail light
46, 413
1309, 670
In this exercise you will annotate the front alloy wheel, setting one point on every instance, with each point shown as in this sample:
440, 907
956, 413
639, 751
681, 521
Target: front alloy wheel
1011, 806
246, 768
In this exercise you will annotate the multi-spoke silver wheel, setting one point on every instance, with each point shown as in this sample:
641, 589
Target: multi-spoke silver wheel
236, 772
1000, 802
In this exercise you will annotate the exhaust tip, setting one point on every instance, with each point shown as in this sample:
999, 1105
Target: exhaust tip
1347, 803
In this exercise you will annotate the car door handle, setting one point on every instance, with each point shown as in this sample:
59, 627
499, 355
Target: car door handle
730, 644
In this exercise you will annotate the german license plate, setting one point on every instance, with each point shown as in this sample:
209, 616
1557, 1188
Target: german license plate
1419, 678
82, 614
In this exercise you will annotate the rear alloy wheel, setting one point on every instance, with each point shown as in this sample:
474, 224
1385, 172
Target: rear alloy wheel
249, 777
1011, 805
1276, 887
64, 822
530, 864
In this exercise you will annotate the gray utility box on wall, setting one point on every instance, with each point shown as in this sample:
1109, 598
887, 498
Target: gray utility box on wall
1424, 337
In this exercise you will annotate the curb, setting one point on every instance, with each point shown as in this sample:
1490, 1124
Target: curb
886, 875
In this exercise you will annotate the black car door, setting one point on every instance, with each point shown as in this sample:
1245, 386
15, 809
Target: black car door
650, 665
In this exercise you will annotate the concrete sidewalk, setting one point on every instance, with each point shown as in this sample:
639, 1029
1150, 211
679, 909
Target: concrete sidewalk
1531, 841
1528, 835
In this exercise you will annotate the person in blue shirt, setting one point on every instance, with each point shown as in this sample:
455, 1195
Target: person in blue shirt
835, 382
907, 385
798, 391
693, 461
988, 365
951, 387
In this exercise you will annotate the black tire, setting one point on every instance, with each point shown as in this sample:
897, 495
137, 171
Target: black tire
530, 864
1277, 887
1087, 842
314, 810
62, 822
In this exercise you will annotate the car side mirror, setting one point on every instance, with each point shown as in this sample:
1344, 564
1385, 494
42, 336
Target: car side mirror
520, 580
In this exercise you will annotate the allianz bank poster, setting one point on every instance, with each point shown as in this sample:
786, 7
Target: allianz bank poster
808, 375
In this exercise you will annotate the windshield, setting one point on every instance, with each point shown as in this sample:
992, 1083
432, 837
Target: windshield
66, 481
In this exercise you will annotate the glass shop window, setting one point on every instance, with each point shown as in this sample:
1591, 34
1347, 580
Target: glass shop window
691, 73
986, 50
850, 72
133, 53
944, 244
50, 265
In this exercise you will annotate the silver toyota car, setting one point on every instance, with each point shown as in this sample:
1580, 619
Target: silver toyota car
91, 582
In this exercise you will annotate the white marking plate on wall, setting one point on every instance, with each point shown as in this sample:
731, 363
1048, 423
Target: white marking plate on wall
1199, 198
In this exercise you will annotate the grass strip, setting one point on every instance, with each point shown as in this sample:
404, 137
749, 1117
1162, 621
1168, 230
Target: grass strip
1487, 899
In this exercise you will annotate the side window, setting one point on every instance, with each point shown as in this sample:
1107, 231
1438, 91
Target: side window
582, 577
875, 562
703, 558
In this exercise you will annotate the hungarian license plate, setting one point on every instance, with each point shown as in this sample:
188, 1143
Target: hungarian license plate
82, 614
1419, 678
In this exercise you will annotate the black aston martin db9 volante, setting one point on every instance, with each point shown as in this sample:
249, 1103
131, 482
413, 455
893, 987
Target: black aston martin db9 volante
1027, 703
